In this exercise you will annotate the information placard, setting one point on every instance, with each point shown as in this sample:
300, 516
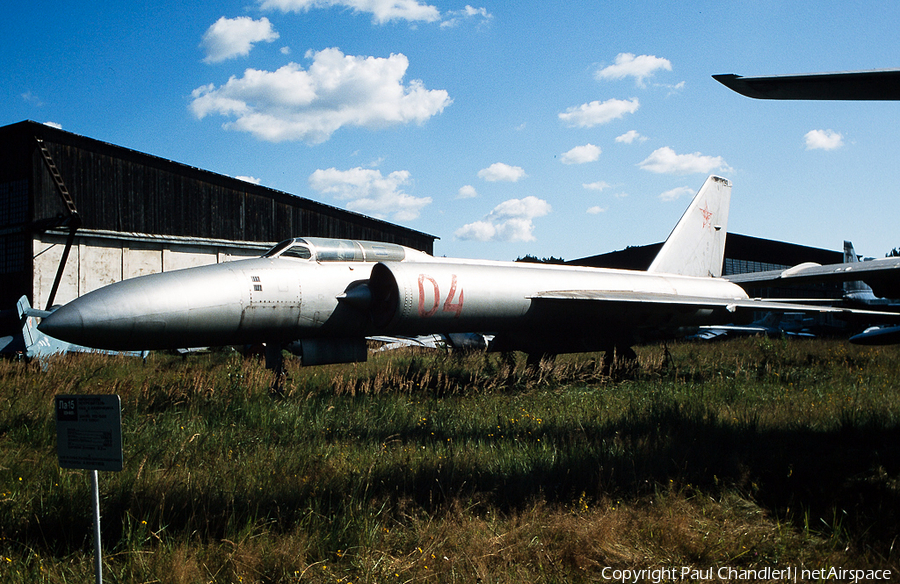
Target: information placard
89, 432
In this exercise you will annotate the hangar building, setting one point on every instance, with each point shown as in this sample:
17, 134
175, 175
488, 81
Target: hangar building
128, 213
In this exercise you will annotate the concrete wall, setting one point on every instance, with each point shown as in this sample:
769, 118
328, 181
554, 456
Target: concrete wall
100, 258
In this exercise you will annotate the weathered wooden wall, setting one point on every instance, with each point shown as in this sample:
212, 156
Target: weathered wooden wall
117, 189
98, 259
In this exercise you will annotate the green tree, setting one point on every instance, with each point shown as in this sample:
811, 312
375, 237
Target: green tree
528, 258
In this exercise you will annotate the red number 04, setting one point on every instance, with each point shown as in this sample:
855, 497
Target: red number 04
449, 304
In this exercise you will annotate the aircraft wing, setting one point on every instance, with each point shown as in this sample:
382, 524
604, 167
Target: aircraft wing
729, 304
878, 85
883, 275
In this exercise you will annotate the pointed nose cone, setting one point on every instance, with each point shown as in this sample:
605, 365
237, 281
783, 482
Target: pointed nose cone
128, 315
185, 308
65, 323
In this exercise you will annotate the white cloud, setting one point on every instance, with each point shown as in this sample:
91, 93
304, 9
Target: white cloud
665, 161
31, 98
337, 90
249, 179
511, 220
592, 114
467, 192
382, 11
673, 89
629, 65
454, 17
676, 193
630, 137
596, 186
500, 172
581, 154
234, 37
53, 125
368, 192
477, 230
823, 140
595, 210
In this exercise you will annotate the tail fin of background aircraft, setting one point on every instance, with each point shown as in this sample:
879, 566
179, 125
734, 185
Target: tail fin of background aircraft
850, 257
855, 290
696, 247
34, 339
849, 253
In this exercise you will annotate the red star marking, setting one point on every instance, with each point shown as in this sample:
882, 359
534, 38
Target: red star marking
706, 215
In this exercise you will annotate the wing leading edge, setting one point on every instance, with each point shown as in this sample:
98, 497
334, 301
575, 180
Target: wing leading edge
877, 85
729, 304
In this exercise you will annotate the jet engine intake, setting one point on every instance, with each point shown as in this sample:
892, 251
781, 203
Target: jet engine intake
423, 298
383, 296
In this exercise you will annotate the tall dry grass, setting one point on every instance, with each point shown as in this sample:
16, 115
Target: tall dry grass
423, 466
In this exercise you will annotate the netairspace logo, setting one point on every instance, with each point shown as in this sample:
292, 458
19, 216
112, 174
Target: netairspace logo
729, 574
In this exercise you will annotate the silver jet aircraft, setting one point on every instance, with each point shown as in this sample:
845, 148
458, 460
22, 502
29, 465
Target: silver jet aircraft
320, 298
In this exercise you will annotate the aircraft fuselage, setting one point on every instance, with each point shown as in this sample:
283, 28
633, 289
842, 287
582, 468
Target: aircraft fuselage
282, 299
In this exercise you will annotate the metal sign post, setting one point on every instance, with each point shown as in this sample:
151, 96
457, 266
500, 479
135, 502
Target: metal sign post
89, 436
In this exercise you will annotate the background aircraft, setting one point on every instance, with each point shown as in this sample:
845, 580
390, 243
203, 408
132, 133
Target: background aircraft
860, 294
321, 298
458, 341
882, 275
857, 292
876, 85
773, 324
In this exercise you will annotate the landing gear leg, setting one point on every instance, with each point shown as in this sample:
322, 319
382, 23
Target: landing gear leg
275, 362
533, 360
620, 356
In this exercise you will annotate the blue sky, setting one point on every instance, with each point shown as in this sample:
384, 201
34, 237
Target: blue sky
563, 129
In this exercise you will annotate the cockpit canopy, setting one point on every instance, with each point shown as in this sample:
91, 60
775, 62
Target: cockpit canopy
323, 249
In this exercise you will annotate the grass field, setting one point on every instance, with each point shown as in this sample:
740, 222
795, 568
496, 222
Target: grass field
747, 454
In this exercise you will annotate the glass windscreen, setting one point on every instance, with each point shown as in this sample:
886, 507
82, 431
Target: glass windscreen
291, 248
337, 250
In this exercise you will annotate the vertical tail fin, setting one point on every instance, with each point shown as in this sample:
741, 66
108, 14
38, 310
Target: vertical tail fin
857, 289
696, 247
